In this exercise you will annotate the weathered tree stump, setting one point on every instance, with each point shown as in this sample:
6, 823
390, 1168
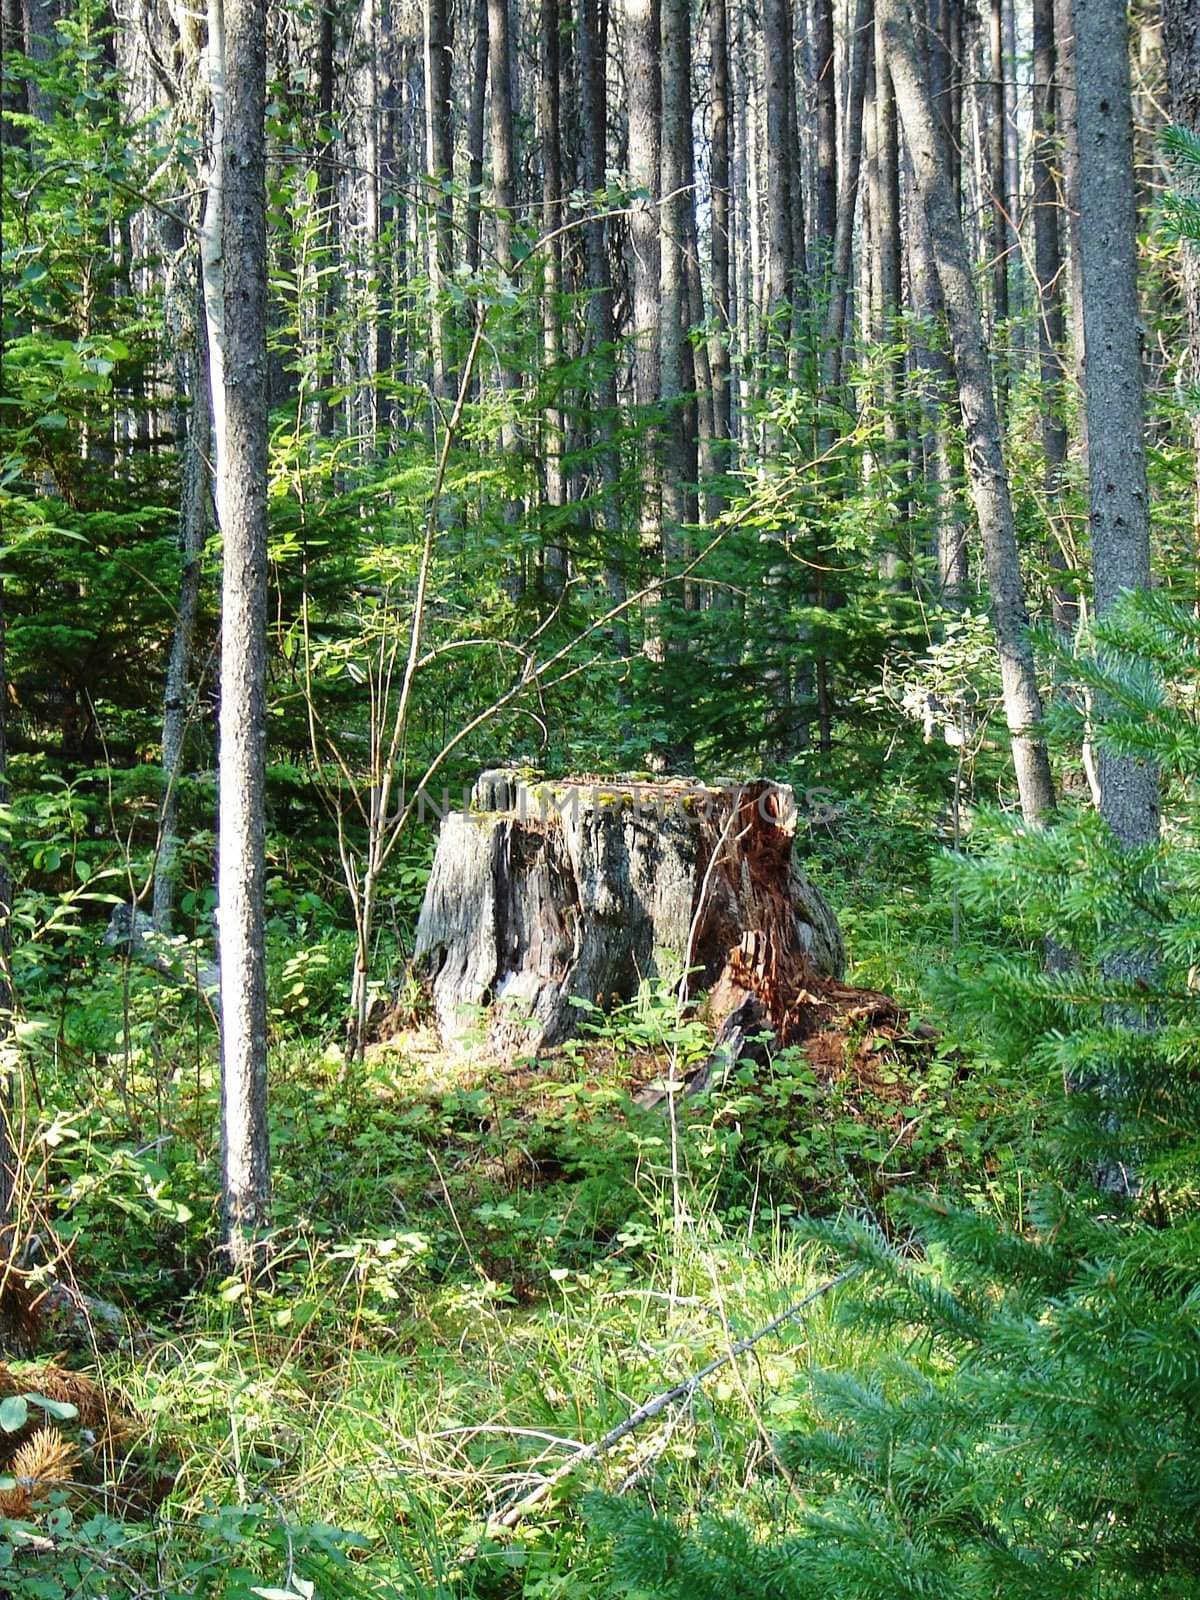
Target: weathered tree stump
545, 893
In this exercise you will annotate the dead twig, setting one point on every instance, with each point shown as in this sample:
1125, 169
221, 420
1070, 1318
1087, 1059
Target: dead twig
652, 1408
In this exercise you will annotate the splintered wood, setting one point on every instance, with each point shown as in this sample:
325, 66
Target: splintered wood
546, 894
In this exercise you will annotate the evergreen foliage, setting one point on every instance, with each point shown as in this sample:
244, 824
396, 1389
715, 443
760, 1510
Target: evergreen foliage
1042, 1436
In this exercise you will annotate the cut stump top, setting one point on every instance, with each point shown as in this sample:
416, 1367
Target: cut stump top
550, 892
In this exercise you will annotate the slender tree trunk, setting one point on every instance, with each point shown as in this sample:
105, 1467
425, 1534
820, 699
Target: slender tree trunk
327, 209
985, 461
439, 156
1181, 38
886, 223
997, 181
503, 151
1064, 29
777, 68
744, 278
195, 433
941, 400
592, 54
719, 353
1048, 272
504, 162
825, 187
642, 46
8, 1098
676, 129
242, 514
1115, 410
861, 53
549, 94
475, 120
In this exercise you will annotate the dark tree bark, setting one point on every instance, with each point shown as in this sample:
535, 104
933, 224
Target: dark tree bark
985, 461
949, 532
642, 44
547, 893
242, 511
825, 198
998, 182
549, 96
592, 47
504, 159
1181, 39
327, 207
1066, 103
8, 1153
439, 157
1115, 410
887, 253
475, 120
719, 357
861, 53
504, 163
779, 262
194, 434
1048, 272
676, 199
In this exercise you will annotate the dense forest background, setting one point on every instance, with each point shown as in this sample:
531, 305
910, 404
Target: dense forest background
396, 391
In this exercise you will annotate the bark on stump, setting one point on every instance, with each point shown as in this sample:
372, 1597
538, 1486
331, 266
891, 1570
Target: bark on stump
545, 893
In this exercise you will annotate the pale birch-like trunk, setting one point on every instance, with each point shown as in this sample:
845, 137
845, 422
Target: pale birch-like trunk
984, 457
235, 270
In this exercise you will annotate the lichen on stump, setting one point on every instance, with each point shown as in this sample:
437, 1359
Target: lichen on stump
547, 893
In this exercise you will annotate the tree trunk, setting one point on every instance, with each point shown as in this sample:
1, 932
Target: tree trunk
1064, 29
861, 52
826, 184
719, 354
593, 105
545, 895
985, 460
949, 533
8, 1098
194, 496
475, 120
673, 324
1181, 38
1115, 410
504, 164
549, 95
242, 514
999, 207
1048, 271
439, 156
888, 255
641, 45
326, 350
777, 68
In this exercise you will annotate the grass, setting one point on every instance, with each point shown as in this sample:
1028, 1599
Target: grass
412, 1443
477, 1272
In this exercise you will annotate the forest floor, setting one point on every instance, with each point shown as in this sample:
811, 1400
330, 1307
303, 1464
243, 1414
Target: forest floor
478, 1273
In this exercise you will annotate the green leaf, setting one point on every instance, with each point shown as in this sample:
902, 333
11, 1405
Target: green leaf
14, 1413
60, 1410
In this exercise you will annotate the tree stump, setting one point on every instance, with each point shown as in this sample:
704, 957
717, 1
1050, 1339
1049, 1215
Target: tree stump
548, 892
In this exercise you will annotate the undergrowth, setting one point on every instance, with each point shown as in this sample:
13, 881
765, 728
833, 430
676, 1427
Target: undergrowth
477, 1272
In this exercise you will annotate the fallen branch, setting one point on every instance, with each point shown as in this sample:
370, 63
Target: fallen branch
653, 1408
